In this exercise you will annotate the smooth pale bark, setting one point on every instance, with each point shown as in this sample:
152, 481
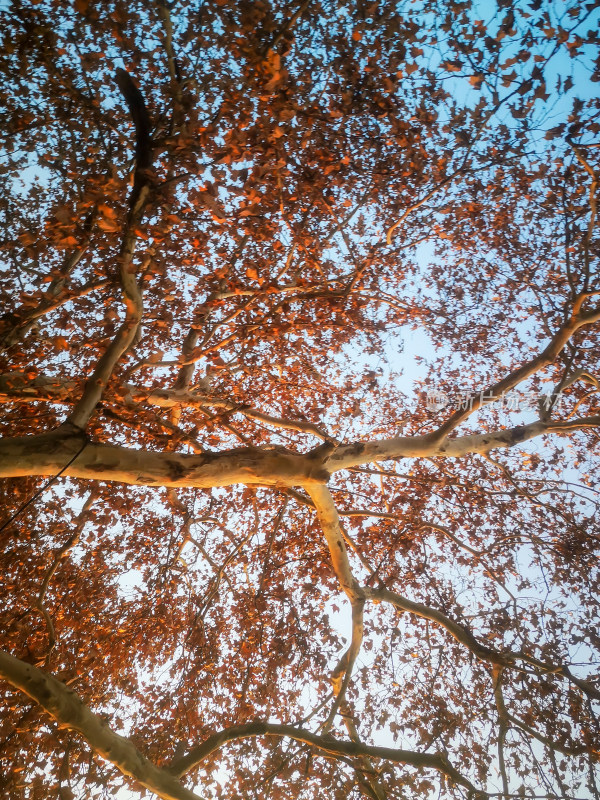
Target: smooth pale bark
352, 455
330, 525
70, 712
67, 452
49, 454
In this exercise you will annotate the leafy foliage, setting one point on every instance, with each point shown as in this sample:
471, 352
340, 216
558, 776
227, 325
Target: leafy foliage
221, 225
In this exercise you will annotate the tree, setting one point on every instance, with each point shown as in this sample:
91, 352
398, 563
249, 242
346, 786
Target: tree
218, 222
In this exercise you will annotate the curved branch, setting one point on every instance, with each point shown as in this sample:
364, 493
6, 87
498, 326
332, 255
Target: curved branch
326, 744
330, 524
457, 631
342, 674
352, 455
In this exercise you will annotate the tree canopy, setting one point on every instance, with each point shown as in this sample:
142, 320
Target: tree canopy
299, 382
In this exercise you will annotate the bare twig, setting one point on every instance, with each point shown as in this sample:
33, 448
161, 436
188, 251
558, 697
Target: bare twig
80, 521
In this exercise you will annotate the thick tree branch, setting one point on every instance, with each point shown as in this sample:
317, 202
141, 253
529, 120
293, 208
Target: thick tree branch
70, 712
352, 455
49, 453
330, 524
342, 674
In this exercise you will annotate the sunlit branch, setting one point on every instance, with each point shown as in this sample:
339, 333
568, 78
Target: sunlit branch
301, 426
351, 455
47, 454
334, 535
342, 674
330, 525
